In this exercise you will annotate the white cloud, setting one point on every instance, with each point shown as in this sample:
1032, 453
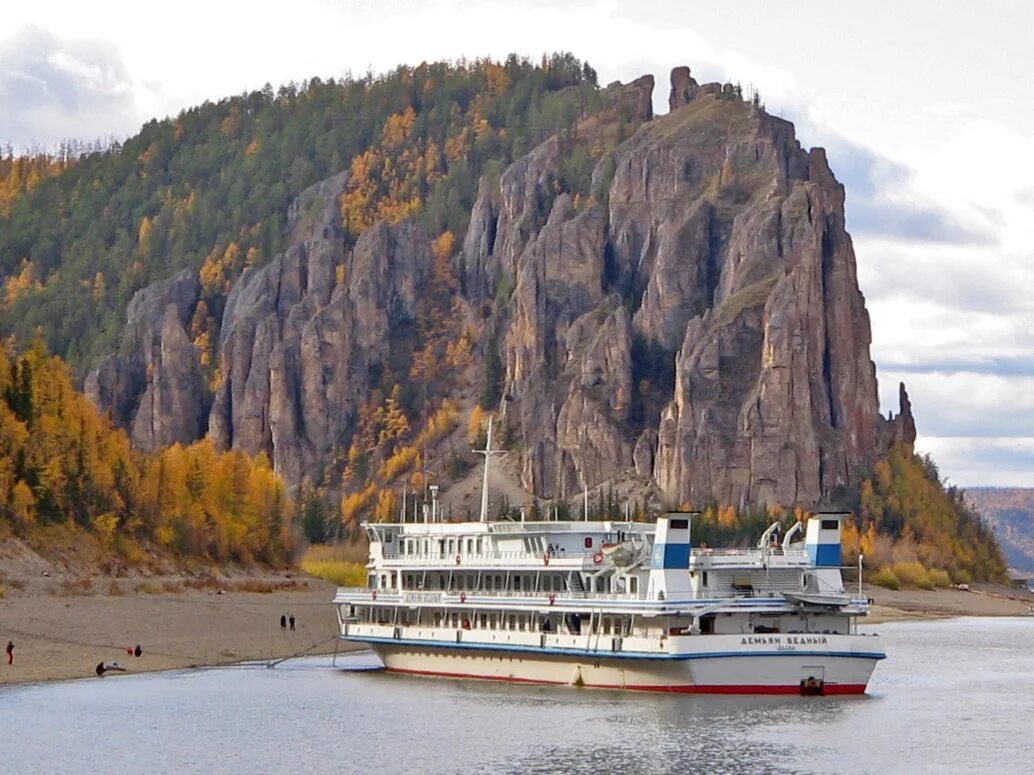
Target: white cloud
982, 462
53, 88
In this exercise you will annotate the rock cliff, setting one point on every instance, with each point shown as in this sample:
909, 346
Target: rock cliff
694, 318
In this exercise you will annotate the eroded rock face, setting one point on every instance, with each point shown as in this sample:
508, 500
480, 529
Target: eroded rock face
724, 250
297, 347
158, 392
697, 320
173, 407
683, 88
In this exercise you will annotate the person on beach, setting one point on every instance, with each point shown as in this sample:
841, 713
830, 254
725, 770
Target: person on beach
283, 622
292, 622
10, 652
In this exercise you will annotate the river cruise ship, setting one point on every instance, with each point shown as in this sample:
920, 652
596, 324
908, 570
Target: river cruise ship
611, 604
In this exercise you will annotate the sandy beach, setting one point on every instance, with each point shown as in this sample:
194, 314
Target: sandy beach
981, 600
60, 634
66, 636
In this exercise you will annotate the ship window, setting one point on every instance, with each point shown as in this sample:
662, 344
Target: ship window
588, 542
517, 582
479, 546
679, 524
704, 580
488, 582
482, 625
470, 546
452, 546
441, 546
830, 524
513, 622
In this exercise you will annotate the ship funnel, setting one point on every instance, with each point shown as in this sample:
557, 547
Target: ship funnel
669, 561
822, 539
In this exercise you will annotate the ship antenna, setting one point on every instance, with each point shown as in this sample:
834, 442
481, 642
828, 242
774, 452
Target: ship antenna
487, 452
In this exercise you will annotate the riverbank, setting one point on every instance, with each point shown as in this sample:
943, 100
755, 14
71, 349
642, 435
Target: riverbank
980, 600
61, 636
62, 633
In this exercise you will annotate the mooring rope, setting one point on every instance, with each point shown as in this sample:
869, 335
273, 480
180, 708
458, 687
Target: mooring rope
197, 662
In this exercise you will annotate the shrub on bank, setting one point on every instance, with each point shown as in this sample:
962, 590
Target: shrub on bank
341, 564
885, 577
940, 578
912, 574
340, 572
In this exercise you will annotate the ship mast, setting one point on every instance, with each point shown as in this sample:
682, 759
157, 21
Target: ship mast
487, 452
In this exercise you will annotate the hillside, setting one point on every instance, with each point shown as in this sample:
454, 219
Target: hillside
1010, 512
212, 186
65, 472
348, 278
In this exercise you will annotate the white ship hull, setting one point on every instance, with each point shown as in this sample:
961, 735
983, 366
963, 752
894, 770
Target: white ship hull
723, 665
546, 602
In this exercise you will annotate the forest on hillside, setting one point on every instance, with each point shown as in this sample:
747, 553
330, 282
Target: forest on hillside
63, 464
81, 233
83, 228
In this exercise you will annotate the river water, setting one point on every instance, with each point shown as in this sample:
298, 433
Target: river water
953, 696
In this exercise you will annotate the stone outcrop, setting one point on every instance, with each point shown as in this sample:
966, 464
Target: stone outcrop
695, 322
899, 429
724, 246
297, 347
683, 88
158, 391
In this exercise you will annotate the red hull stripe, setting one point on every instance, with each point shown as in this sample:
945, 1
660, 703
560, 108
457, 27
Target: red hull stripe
684, 689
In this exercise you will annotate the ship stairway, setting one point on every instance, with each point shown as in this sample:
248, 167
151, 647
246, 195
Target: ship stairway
576, 582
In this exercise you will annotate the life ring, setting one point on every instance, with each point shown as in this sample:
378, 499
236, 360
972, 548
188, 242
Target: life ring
458, 559
597, 557
552, 597
545, 559
373, 595
463, 597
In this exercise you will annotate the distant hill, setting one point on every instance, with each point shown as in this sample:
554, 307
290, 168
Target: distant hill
1010, 511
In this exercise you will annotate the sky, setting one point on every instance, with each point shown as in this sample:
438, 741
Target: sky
926, 109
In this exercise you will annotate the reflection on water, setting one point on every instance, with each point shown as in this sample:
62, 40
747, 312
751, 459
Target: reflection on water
953, 695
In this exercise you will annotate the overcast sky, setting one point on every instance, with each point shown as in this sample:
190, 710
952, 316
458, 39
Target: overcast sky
926, 108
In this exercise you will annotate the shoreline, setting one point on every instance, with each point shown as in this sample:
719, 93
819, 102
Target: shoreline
920, 604
64, 636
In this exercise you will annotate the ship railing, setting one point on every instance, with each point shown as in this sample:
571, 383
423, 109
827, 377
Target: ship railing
537, 557
748, 553
440, 595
